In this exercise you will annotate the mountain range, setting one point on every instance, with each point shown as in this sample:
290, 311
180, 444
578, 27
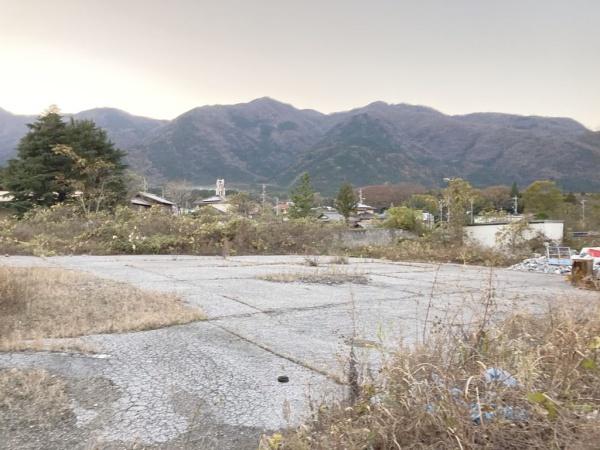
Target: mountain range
267, 141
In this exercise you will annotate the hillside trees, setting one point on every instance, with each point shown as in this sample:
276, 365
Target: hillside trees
55, 159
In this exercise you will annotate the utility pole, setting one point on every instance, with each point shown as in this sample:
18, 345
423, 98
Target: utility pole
276, 206
583, 211
472, 216
515, 205
441, 208
361, 199
264, 194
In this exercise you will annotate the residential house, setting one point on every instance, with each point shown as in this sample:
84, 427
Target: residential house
144, 200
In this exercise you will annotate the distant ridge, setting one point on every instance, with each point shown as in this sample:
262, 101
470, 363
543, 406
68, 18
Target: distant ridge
267, 141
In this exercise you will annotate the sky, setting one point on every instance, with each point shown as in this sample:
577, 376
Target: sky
162, 58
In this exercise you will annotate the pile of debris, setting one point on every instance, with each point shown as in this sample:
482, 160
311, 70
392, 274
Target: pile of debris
541, 264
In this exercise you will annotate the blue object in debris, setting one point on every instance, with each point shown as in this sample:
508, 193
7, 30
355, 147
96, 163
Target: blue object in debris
502, 376
512, 413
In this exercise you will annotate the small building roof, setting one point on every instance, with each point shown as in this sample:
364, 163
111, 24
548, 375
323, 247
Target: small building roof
210, 200
152, 197
140, 202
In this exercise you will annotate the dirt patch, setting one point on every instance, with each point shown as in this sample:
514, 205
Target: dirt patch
41, 303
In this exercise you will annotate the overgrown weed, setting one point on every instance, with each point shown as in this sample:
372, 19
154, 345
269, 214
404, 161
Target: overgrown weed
41, 303
530, 381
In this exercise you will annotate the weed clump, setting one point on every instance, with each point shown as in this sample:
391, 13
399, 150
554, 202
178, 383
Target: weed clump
328, 276
528, 382
40, 303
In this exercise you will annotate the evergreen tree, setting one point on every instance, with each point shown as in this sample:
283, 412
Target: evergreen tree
38, 175
55, 159
514, 190
303, 198
345, 201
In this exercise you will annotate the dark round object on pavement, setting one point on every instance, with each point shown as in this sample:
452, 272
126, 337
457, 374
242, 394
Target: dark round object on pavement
283, 378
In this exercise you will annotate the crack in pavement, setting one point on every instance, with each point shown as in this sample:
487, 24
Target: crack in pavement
335, 378
226, 367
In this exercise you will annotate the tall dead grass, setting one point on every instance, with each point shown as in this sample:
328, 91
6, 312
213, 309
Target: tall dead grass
527, 382
39, 303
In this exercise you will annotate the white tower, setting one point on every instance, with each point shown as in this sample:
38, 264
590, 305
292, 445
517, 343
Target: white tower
220, 189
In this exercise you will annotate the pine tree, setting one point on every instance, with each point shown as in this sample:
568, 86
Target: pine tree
38, 175
55, 159
303, 198
345, 201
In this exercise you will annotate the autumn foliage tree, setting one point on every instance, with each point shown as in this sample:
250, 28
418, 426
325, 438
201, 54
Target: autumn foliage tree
543, 198
458, 196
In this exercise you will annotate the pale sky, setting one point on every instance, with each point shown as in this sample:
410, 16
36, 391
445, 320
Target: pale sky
162, 58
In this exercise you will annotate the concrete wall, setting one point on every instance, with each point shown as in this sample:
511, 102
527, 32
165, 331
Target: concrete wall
373, 236
486, 234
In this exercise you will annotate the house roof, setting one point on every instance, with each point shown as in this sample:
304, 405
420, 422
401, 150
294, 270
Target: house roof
209, 200
154, 198
140, 201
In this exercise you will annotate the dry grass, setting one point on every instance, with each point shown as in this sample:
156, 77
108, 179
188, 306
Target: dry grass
32, 399
339, 259
436, 396
327, 276
42, 303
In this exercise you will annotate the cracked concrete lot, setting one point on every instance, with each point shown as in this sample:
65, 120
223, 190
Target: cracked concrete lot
213, 384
